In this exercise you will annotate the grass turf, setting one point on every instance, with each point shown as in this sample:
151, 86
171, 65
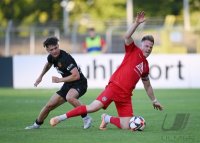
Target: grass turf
20, 107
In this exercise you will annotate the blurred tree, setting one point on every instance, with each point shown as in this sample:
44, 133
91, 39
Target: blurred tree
99, 11
159, 8
102, 9
28, 12
32, 12
195, 5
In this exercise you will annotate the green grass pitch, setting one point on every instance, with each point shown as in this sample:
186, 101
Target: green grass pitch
178, 123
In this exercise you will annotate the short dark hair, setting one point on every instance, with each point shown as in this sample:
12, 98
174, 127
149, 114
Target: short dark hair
91, 29
50, 41
149, 38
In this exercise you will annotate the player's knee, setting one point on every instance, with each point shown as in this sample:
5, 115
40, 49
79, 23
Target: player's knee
91, 108
71, 100
124, 126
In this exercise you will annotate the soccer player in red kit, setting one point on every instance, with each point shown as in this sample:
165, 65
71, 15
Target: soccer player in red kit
121, 84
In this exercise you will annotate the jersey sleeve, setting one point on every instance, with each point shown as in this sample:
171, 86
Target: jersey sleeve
70, 67
130, 47
145, 75
70, 63
49, 59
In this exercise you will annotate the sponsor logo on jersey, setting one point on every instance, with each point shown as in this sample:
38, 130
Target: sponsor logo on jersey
140, 67
78, 89
104, 98
69, 67
60, 72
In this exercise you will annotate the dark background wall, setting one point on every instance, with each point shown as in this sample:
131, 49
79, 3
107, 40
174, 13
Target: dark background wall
6, 72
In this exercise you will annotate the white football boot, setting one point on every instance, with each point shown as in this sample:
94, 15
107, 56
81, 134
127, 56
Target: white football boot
34, 126
87, 122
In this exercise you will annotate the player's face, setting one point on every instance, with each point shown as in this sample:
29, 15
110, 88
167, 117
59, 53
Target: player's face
147, 47
53, 50
92, 33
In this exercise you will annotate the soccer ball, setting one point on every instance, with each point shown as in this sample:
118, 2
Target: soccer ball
137, 123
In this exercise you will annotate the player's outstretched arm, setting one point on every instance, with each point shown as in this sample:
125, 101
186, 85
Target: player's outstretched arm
140, 18
47, 66
150, 93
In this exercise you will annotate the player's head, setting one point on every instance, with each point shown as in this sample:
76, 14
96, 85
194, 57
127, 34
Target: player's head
91, 32
52, 46
147, 45
50, 41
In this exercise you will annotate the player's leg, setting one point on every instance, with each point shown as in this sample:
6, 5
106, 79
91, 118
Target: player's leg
120, 122
102, 101
76, 91
72, 98
106, 98
124, 122
55, 101
125, 112
80, 110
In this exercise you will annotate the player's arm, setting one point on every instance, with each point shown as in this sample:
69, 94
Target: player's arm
103, 45
84, 47
139, 19
150, 93
47, 66
75, 75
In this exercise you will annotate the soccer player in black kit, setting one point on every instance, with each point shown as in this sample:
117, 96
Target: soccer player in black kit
75, 84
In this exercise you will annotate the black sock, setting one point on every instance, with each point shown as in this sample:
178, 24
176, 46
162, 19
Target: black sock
83, 116
39, 123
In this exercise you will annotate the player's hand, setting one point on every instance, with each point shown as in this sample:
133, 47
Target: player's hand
140, 17
37, 81
157, 106
55, 79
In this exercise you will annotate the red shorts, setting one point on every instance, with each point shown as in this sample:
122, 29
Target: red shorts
121, 99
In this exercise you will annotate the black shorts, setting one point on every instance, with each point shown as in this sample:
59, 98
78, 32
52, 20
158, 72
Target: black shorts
80, 86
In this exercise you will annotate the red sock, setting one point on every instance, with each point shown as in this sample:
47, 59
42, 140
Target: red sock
80, 110
115, 121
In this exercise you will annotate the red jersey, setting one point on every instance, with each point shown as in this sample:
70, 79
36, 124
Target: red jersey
133, 67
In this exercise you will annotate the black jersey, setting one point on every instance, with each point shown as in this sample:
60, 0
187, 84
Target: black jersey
64, 63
